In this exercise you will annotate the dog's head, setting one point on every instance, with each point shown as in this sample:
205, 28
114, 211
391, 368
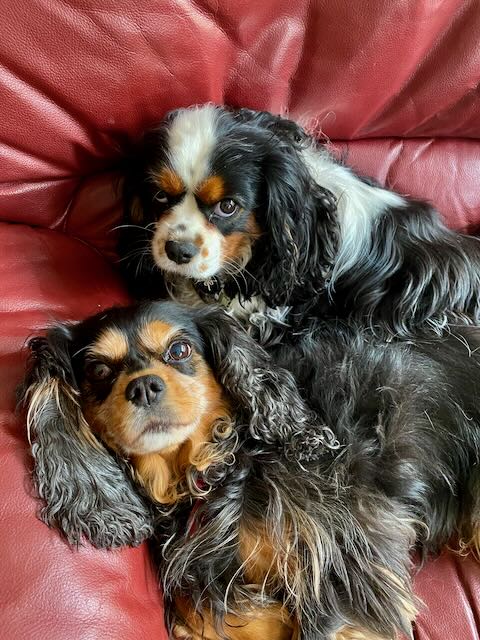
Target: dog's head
145, 385
213, 189
150, 392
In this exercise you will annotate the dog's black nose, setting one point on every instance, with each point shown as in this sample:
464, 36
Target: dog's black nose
180, 252
145, 391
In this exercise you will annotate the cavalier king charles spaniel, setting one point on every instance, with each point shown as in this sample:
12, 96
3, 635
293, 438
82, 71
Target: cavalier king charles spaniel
287, 491
245, 207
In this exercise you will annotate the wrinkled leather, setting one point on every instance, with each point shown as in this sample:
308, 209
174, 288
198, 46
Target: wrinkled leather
394, 85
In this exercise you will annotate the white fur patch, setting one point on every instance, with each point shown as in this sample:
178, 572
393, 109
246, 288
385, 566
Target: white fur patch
192, 137
191, 140
154, 442
186, 223
267, 324
358, 205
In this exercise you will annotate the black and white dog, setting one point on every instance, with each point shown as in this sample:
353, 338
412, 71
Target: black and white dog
245, 207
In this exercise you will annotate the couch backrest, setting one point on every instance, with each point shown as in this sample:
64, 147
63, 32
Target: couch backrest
394, 84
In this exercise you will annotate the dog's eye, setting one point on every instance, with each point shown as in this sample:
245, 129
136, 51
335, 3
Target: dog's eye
161, 197
226, 208
178, 350
97, 371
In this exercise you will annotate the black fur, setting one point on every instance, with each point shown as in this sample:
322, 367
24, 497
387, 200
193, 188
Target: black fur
262, 169
408, 273
87, 490
401, 472
346, 453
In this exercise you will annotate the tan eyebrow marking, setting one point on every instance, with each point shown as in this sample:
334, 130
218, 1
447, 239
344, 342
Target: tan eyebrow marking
155, 335
212, 190
170, 182
111, 344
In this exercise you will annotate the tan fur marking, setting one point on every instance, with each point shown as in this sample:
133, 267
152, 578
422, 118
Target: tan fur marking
170, 182
259, 555
269, 623
111, 418
111, 344
211, 190
154, 336
237, 246
152, 471
409, 607
163, 473
355, 633
252, 227
204, 253
198, 240
470, 544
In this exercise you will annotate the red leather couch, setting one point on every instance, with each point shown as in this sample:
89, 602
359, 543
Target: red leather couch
395, 85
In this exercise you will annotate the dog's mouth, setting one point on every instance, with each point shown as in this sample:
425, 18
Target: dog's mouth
208, 289
160, 426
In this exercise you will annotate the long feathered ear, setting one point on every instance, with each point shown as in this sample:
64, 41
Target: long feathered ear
87, 492
264, 396
292, 132
293, 255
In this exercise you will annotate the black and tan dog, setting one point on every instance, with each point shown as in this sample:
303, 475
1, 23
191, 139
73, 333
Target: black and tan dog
285, 519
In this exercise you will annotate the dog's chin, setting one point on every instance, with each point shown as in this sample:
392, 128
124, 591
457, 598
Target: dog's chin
156, 436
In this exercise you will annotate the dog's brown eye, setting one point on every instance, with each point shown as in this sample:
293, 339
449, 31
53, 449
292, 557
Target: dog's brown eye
98, 371
179, 350
226, 208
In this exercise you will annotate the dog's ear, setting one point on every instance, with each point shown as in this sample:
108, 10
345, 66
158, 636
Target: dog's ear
86, 491
297, 217
143, 278
283, 127
264, 396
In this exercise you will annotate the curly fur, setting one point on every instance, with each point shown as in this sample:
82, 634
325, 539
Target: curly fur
333, 243
342, 455
87, 491
344, 517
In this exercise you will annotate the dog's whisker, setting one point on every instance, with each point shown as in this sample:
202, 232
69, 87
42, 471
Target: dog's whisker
134, 226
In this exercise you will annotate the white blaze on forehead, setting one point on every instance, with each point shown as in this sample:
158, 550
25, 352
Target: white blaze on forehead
191, 139
188, 214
